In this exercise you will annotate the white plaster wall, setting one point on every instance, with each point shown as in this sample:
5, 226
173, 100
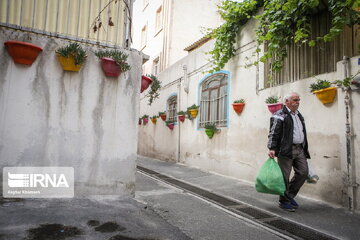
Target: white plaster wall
240, 149
85, 120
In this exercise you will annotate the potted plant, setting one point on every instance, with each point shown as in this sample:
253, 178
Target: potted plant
238, 105
154, 119
140, 121
22, 52
273, 103
145, 83
181, 116
113, 62
170, 124
162, 115
71, 57
154, 89
145, 119
323, 91
193, 110
210, 129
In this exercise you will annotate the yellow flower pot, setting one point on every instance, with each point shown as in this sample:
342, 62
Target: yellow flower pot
193, 112
68, 64
326, 95
153, 120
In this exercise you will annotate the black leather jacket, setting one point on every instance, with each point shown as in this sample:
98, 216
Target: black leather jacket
281, 134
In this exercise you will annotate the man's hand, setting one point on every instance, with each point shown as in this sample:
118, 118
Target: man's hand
271, 153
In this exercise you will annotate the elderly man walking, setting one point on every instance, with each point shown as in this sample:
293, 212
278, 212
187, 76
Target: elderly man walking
287, 141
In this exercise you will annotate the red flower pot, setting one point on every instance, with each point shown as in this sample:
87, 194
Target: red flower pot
145, 83
274, 107
110, 67
238, 107
171, 126
22, 52
181, 118
163, 117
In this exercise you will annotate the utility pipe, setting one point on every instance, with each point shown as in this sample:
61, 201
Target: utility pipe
178, 121
351, 175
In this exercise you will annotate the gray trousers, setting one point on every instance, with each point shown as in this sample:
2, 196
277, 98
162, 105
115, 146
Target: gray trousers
300, 165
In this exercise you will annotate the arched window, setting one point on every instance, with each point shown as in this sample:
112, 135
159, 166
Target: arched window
171, 109
213, 100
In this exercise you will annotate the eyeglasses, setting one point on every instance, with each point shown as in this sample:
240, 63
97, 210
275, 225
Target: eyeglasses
296, 100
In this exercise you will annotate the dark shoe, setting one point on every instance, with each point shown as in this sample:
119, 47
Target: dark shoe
293, 203
286, 206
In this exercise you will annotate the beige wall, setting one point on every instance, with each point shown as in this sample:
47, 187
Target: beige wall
240, 149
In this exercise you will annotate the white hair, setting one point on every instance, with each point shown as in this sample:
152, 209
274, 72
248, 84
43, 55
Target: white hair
289, 95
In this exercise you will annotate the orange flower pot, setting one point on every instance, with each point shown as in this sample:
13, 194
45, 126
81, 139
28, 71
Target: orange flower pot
238, 107
153, 120
22, 52
326, 95
68, 64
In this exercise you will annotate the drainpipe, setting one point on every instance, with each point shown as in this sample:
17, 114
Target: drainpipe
178, 121
351, 175
186, 81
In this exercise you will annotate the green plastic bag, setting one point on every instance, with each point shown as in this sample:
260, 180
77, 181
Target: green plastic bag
270, 178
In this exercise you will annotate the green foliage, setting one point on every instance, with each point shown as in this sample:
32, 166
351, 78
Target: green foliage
241, 100
193, 107
118, 56
169, 122
346, 82
74, 50
272, 100
161, 113
181, 113
319, 84
145, 116
281, 23
154, 89
211, 126
155, 116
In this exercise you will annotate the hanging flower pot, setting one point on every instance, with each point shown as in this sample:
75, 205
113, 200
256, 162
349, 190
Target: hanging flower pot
326, 95
238, 107
145, 83
210, 129
145, 121
181, 118
110, 67
71, 57
162, 115
171, 126
154, 119
193, 111
209, 133
22, 52
274, 107
140, 121
113, 62
68, 64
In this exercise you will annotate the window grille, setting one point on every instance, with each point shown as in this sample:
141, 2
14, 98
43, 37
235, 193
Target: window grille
213, 103
171, 114
304, 61
156, 66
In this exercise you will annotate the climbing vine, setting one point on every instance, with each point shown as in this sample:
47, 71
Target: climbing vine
282, 22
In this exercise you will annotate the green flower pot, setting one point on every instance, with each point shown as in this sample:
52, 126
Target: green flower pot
209, 133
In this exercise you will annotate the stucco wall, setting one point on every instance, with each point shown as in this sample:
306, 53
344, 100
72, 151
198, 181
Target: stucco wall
240, 149
85, 120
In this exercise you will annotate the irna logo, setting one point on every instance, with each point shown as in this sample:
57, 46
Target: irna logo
37, 180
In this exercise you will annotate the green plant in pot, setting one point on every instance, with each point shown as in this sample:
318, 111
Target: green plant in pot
170, 124
238, 105
193, 111
145, 119
323, 91
113, 62
71, 57
210, 129
273, 103
181, 116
